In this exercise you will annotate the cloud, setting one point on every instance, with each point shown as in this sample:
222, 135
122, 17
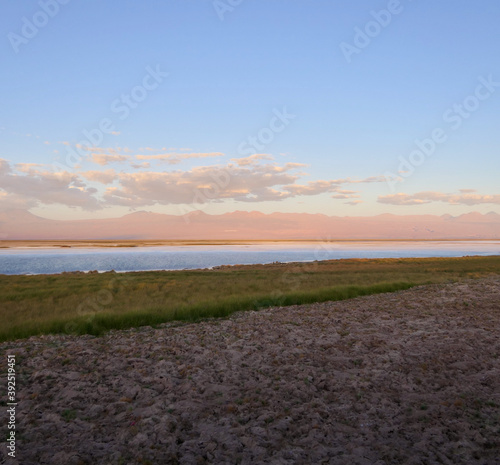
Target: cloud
401, 199
466, 197
313, 188
104, 159
149, 149
4, 167
321, 187
252, 159
342, 196
174, 158
108, 150
105, 155
246, 182
344, 191
45, 187
27, 167
13, 201
202, 184
372, 179
103, 177
139, 166
257, 178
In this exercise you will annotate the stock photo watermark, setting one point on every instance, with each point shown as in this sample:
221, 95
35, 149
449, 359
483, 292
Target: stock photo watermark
265, 136
293, 278
454, 117
98, 302
252, 145
122, 107
363, 36
11, 405
222, 7
32, 26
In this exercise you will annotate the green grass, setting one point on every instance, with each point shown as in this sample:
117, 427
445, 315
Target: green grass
95, 303
68, 415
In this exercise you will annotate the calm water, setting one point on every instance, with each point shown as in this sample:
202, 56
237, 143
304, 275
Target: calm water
36, 261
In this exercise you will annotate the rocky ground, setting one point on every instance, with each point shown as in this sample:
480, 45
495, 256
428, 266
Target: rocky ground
411, 377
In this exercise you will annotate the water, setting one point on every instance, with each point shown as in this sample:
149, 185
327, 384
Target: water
57, 260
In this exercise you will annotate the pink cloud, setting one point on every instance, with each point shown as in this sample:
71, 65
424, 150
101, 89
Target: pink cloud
103, 177
104, 159
466, 197
252, 159
46, 187
174, 158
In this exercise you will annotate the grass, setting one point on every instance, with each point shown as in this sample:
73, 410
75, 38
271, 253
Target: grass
69, 414
95, 303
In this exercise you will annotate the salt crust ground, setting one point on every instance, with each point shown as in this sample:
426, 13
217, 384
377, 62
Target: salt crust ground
411, 377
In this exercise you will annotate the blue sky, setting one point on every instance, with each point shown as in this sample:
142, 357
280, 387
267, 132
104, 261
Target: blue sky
231, 69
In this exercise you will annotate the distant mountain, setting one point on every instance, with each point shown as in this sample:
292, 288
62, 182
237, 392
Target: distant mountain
142, 225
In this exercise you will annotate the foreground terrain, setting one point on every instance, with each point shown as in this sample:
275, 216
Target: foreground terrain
407, 377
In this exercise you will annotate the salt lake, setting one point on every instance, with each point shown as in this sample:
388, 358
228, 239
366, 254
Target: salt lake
56, 260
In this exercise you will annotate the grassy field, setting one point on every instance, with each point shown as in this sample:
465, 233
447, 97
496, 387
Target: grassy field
94, 303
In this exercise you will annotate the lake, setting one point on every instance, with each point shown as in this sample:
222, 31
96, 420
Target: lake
56, 260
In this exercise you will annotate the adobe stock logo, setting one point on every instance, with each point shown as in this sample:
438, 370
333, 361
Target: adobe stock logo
222, 7
454, 116
363, 36
31, 27
249, 146
122, 107
265, 136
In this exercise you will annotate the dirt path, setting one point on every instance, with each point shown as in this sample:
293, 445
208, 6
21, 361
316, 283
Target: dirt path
411, 377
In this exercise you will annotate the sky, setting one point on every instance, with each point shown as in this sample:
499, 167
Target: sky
335, 107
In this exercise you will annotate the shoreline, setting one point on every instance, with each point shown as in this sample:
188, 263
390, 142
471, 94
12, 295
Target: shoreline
93, 303
244, 266
113, 244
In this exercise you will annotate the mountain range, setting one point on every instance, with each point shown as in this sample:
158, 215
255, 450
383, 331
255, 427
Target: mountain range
239, 225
